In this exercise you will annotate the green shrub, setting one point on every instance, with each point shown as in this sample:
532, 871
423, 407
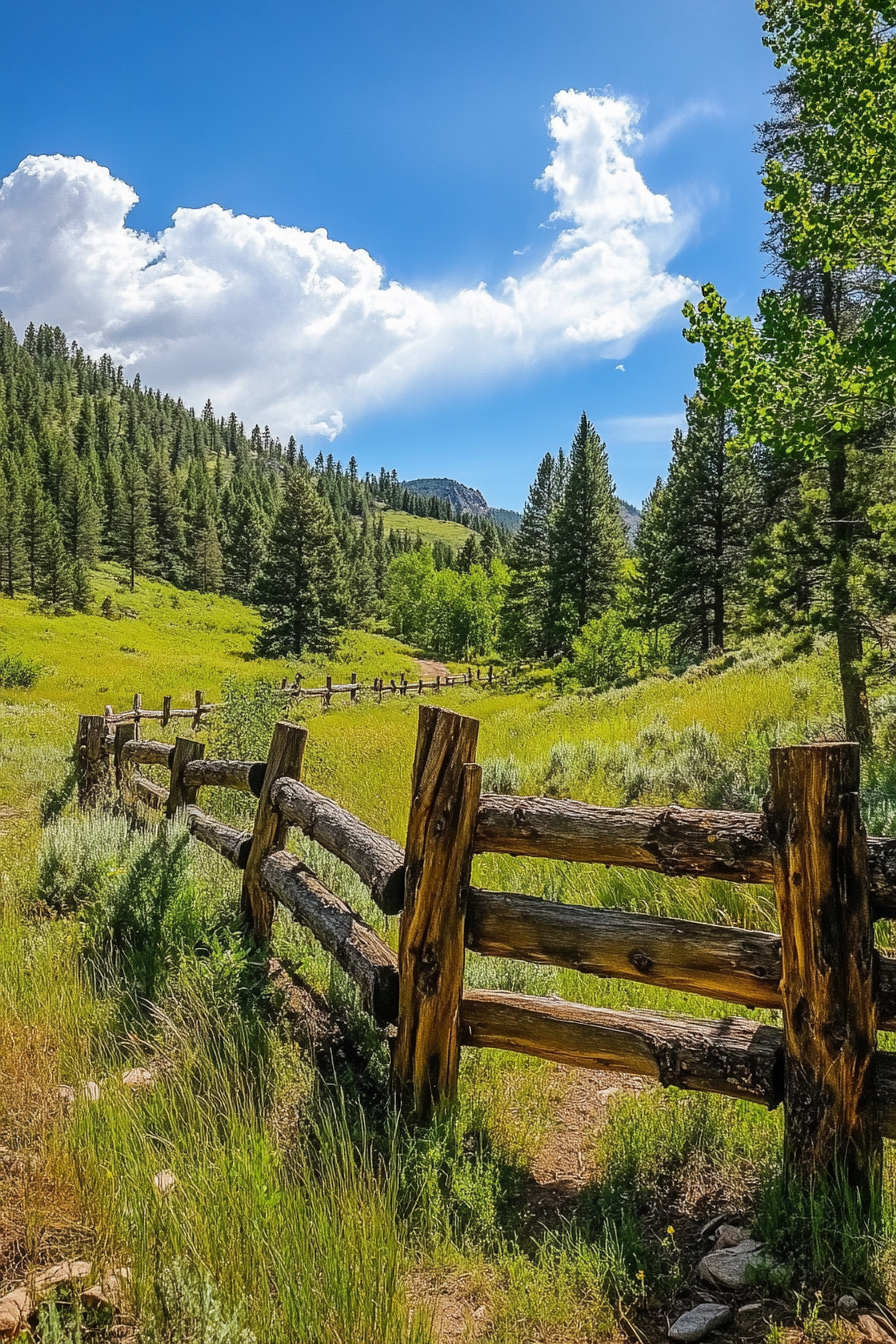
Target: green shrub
18, 672
501, 774
604, 654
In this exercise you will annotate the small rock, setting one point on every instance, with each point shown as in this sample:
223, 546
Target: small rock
90, 1091
67, 1271
606, 1093
137, 1078
728, 1236
108, 1292
713, 1225
847, 1305
699, 1322
731, 1267
164, 1182
65, 1095
876, 1330
15, 1308
749, 1311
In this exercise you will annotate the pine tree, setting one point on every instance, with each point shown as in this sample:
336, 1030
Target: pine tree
35, 520
206, 566
133, 532
53, 579
301, 588
165, 517
525, 619
12, 549
78, 512
588, 540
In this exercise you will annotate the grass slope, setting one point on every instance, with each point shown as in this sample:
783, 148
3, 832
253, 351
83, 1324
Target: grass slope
430, 529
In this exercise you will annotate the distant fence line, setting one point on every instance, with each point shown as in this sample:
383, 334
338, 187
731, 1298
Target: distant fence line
294, 690
835, 990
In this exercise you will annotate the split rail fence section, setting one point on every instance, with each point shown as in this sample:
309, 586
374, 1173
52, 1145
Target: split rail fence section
823, 973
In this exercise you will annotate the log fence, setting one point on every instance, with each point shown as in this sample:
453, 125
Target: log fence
834, 990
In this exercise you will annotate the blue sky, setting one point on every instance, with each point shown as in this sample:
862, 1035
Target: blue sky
412, 132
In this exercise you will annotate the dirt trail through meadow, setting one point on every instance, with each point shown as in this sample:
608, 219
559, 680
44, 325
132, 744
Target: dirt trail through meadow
428, 668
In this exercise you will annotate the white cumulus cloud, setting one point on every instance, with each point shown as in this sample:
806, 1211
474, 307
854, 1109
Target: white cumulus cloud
297, 330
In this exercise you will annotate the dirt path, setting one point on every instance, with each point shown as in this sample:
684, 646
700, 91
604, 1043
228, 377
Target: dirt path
428, 668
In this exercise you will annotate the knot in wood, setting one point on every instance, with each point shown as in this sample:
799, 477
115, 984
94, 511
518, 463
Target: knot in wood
640, 961
428, 971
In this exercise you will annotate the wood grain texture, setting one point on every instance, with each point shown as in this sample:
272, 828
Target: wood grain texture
828, 962
147, 753
244, 776
355, 946
147, 791
124, 734
269, 832
228, 841
378, 861
438, 854
93, 771
735, 965
677, 841
180, 793
733, 1056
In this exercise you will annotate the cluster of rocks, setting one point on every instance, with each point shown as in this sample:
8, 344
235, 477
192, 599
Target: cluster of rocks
18, 1307
735, 1262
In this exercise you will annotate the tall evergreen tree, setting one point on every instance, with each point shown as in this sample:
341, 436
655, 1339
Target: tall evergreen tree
133, 533
525, 619
588, 540
301, 587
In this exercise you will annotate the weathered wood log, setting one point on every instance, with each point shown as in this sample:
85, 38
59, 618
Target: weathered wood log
246, 776
885, 1091
166, 710
130, 715
378, 861
148, 791
677, 841
829, 966
181, 794
438, 855
93, 774
733, 1056
198, 698
146, 752
227, 840
270, 830
735, 965
124, 734
355, 946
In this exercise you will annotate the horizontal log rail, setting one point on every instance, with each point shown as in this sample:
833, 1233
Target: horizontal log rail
231, 843
351, 942
244, 776
675, 841
147, 753
148, 791
733, 1055
378, 861
723, 962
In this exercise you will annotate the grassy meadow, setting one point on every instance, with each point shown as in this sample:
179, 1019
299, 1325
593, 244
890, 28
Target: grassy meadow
261, 1188
430, 529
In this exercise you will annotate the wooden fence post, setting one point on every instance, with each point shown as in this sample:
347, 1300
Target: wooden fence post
353, 694
138, 705
829, 967
441, 828
197, 711
94, 763
269, 832
124, 732
166, 710
185, 749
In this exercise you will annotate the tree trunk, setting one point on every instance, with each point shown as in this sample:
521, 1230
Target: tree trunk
857, 717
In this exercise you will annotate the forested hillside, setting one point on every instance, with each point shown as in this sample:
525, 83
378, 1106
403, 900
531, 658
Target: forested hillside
93, 467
